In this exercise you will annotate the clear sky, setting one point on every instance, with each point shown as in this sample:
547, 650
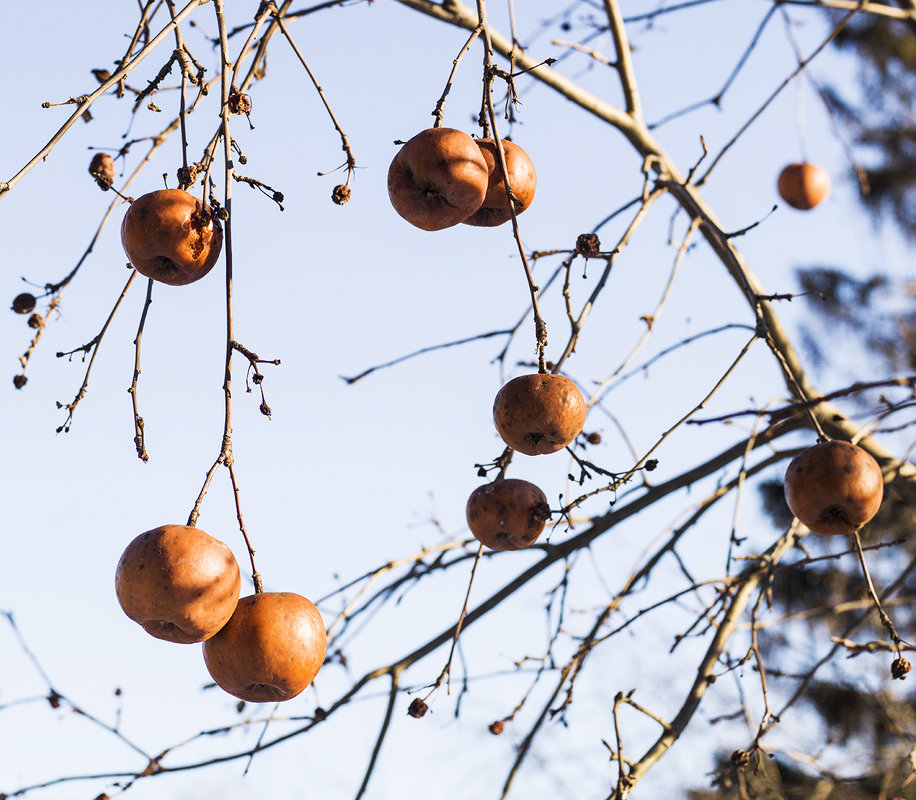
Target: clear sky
343, 477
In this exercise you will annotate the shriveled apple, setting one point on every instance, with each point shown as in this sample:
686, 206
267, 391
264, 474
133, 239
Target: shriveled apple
179, 583
539, 413
271, 648
171, 237
102, 168
522, 179
508, 514
24, 303
834, 487
804, 185
438, 179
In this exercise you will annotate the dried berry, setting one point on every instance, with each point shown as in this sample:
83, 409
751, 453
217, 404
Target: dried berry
239, 103
341, 194
497, 727
102, 168
19, 381
417, 708
35, 321
593, 438
588, 244
24, 303
899, 668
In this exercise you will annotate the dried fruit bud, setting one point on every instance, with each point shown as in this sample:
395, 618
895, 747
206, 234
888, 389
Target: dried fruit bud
187, 176
741, 758
239, 103
497, 727
54, 699
341, 194
417, 708
19, 381
651, 464
23, 303
320, 714
102, 168
35, 321
101, 75
593, 438
587, 244
900, 668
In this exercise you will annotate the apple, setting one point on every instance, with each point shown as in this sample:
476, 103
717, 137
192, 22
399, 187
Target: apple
539, 413
803, 185
522, 179
834, 487
438, 179
179, 583
508, 514
170, 237
24, 303
102, 168
270, 650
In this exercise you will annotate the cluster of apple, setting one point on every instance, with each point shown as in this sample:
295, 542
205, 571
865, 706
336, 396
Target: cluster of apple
442, 177
534, 414
183, 585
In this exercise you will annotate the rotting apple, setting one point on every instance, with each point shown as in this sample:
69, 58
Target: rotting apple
803, 185
271, 648
438, 179
171, 237
834, 487
507, 514
179, 583
539, 413
522, 178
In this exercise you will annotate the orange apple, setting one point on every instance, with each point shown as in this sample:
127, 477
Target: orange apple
270, 650
803, 186
834, 487
522, 179
539, 413
438, 179
179, 583
170, 237
508, 514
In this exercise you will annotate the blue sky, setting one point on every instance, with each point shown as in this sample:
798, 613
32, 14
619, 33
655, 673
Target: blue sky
343, 478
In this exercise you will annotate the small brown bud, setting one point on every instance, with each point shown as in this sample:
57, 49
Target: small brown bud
341, 194
497, 727
320, 714
101, 75
24, 303
588, 244
19, 381
54, 699
102, 168
417, 708
593, 438
899, 668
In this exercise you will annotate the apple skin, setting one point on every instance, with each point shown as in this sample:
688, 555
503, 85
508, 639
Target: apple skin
178, 583
508, 514
170, 237
539, 413
438, 179
834, 487
803, 186
270, 650
522, 179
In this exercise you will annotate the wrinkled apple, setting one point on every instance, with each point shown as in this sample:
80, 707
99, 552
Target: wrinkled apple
170, 237
508, 514
522, 178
